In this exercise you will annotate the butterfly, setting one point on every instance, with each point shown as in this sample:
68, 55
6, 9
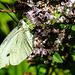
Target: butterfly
17, 46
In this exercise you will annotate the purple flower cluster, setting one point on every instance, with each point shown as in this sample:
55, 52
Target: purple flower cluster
46, 14
47, 38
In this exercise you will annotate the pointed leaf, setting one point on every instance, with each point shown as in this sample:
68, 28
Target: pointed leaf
57, 58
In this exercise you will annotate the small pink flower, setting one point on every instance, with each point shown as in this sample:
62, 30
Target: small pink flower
35, 43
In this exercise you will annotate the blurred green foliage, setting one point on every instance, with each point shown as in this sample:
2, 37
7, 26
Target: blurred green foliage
17, 70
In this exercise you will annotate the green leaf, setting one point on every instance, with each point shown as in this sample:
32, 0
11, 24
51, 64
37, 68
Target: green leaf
53, 22
8, 1
57, 15
42, 70
73, 56
74, 46
73, 28
62, 26
57, 58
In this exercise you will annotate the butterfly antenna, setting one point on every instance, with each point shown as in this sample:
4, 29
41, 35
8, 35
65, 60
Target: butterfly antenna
17, 20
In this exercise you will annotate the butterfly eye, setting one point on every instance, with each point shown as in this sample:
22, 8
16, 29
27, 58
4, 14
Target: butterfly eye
8, 54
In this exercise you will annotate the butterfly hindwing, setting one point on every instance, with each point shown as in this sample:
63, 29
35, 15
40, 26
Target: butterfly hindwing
20, 48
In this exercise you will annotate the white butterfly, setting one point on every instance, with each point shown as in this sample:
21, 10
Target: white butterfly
17, 46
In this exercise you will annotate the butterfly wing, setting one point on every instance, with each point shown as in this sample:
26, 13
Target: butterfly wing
15, 48
5, 48
21, 47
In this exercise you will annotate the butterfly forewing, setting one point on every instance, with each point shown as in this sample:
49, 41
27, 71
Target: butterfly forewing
5, 48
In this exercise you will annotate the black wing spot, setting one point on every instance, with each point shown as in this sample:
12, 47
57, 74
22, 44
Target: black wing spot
8, 54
